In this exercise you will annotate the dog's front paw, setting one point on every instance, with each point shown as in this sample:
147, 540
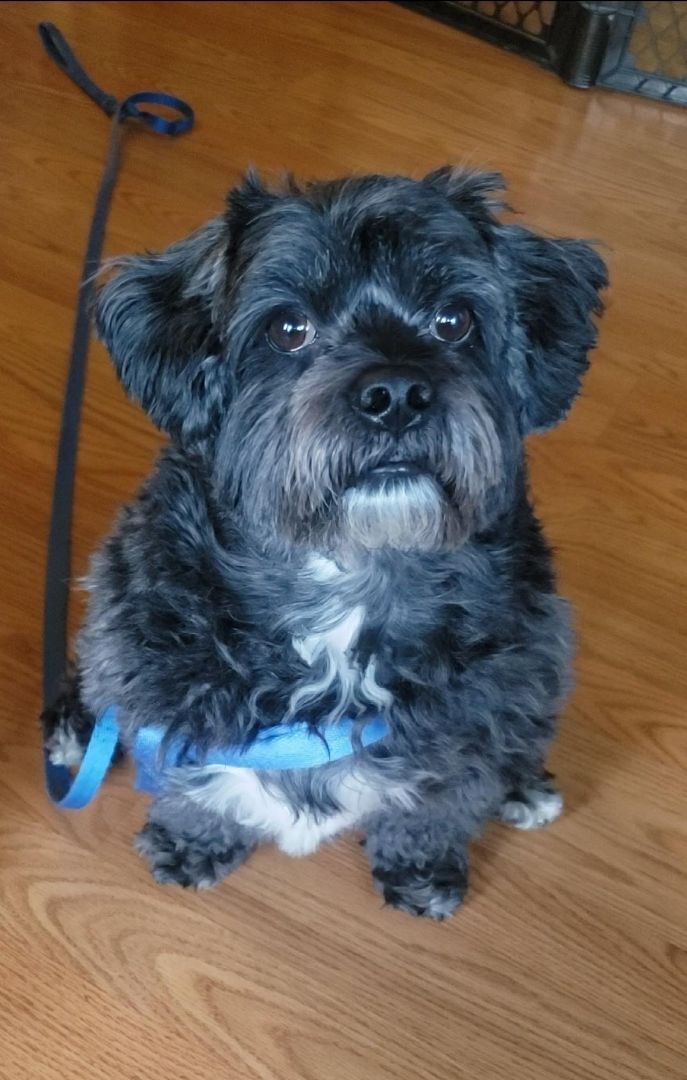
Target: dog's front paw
532, 807
188, 861
433, 892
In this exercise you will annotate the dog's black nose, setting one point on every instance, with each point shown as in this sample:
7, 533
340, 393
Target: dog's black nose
394, 398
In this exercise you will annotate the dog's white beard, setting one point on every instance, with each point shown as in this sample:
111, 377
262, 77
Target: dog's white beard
405, 514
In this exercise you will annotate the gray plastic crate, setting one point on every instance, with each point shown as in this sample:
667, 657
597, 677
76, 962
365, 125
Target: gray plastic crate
639, 47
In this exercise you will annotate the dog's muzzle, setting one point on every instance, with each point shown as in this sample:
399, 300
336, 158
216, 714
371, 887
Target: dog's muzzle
395, 506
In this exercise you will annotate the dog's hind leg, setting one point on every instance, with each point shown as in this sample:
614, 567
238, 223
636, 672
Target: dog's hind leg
188, 845
532, 803
67, 724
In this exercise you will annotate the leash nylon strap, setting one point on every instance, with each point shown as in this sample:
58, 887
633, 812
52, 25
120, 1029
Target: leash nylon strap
66, 792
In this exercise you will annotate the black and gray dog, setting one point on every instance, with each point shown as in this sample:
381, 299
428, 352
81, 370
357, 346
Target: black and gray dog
340, 525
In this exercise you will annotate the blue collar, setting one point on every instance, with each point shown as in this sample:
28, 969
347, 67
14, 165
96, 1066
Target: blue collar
284, 746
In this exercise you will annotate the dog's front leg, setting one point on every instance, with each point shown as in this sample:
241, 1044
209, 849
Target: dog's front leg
419, 859
187, 844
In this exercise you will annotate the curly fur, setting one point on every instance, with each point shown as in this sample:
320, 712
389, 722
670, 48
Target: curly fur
261, 572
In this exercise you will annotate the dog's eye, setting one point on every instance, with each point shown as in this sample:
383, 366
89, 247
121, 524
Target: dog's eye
289, 330
452, 323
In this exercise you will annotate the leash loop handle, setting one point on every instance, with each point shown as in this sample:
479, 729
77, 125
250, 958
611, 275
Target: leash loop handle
59, 50
160, 124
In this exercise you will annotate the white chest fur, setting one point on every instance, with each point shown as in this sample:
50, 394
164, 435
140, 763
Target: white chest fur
264, 808
328, 650
328, 647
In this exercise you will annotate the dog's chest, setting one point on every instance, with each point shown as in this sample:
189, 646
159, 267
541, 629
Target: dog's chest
325, 637
299, 819
266, 808
334, 643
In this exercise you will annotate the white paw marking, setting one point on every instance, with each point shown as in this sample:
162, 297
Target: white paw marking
442, 905
538, 808
64, 748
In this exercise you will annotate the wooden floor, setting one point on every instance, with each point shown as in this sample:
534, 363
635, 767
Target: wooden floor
569, 962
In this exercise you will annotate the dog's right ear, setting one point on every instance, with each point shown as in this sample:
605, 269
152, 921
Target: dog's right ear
158, 317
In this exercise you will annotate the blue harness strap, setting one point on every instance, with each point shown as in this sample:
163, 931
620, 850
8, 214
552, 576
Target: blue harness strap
283, 746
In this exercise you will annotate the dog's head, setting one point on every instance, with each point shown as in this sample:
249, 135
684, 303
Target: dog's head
358, 360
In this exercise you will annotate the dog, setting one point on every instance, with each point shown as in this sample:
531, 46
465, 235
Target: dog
340, 524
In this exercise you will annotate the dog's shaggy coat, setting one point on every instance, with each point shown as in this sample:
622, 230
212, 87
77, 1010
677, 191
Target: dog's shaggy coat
300, 551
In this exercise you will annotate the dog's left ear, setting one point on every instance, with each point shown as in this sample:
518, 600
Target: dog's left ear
157, 317
557, 285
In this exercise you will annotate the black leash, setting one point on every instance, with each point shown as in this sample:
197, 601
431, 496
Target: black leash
58, 565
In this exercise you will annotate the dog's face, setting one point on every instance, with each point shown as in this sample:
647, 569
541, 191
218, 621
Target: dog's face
358, 360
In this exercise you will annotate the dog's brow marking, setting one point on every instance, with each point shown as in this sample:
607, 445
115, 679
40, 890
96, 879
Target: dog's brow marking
385, 300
